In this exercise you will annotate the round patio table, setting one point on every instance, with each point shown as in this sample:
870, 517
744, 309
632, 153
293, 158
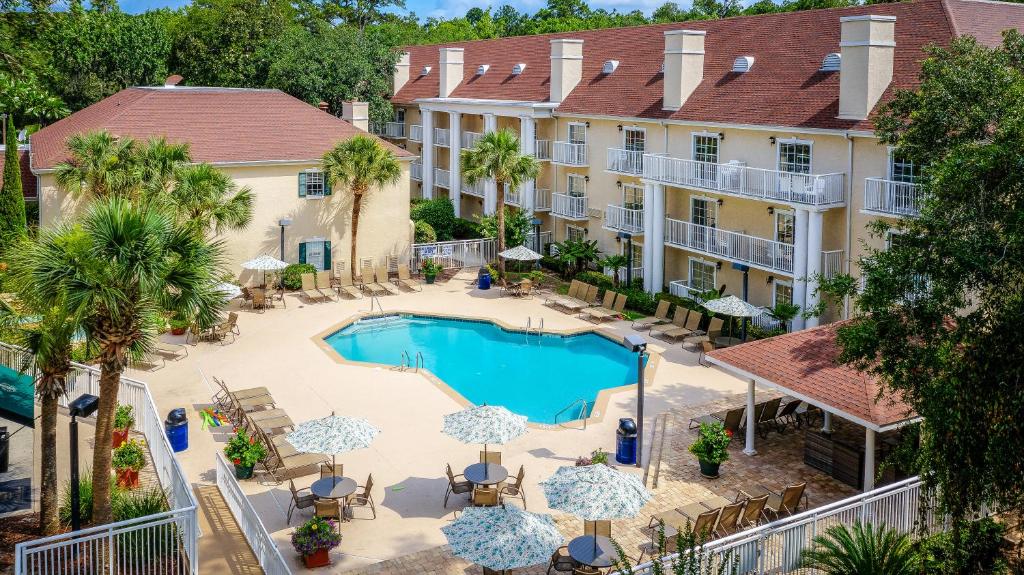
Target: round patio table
333, 487
485, 474
595, 551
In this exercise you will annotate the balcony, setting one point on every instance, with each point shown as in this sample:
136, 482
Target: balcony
476, 189
569, 207
542, 149
441, 137
623, 219
545, 239
392, 130
542, 200
637, 271
832, 263
442, 178
569, 154
469, 139
738, 180
416, 171
415, 133
891, 198
757, 252
628, 162
683, 288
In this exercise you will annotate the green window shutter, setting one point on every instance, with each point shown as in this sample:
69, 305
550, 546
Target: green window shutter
327, 255
302, 184
327, 185
302, 253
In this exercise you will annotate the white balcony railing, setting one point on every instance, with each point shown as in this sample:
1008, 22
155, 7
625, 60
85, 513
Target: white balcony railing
546, 238
637, 272
393, 130
542, 200
542, 149
737, 179
683, 288
569, 154
891, 198
441, 137
759, 252
442, 178
416, 133
624, 219
469, 139
627, 162
416, 171
249, 522
476, 189
832, 263
569, 207
513, 197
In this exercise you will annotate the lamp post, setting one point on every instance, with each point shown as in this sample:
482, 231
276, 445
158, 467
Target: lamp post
637, 344
535, 222
629, 256
84, 406
284, 223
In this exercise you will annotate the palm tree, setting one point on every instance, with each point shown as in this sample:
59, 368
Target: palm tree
360, 163
101, 165
615, 262
121, 269
158, 164
208, 199
866, 550
496, 156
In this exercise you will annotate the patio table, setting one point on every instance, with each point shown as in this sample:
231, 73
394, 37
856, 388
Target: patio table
485, 474
595, 551
333, 487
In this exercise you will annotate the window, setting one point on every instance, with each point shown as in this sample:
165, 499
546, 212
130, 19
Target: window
705, 148
702, 275
633, 139
316, 252
782, 292
702, 211
577, 133
400, 115
575, 233
903, 170
576, 186
633, 197
795, 157
313, 184
785, 227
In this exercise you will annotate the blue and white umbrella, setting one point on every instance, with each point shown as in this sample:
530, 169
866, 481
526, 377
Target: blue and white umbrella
595, 492
333, 434
484, 424
503, 537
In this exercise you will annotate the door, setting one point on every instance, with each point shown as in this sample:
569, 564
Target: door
634, 142
795, 165
705, 154
702, 216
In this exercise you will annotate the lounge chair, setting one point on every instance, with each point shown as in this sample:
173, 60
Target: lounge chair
323, 284
706, 347
382, 279
525, 288
728, 520
455, 486
309, 288
788, 502
363, 498
284, 462
704, 525
299, 501
515, 488
787, 416
344, 284
731, 419
176, 350
607, 301
587, 297
602, 314
660, 317
715, 327
753, 512
271, 425
405, 279
675, 329
767, 419
671, 518
229, 327
262, 415
574, 289
368, 283
243, 400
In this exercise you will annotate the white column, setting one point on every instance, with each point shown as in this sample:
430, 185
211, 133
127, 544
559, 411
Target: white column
800, 267
654, 237
427, 145
751, 423
826, 425
527, 147
454, 161
815, 222
490, 186
869, 459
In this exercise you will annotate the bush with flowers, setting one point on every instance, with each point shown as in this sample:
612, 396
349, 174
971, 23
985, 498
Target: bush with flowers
317, 534
712, 444
597, 457
244, 451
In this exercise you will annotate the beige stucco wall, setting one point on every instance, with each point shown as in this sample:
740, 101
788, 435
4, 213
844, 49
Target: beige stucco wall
383, 224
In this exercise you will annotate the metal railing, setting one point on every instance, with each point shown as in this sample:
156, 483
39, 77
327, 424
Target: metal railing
832, 263
442, 178
514, 197
760, 252
455, 254
629, 162
416, 171
569, 207
569, 154
469, 139
541, 200
394, 130
546, 238
416, 133
637, 272
892, 198
683, 288
441, 137
623, 219
542, 149
259, 539
736, 178
475, 189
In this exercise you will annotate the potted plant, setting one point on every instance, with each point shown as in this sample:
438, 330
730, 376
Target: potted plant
430, 269
124, 419
711, 448
597, 457
127, 460
179, 326
313, 539
244, 451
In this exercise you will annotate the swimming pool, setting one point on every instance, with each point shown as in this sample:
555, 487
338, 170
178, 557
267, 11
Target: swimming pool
536, 375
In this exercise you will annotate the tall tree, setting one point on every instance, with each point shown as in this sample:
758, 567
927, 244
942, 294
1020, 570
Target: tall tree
496, 156
361, 164
209, 201
100, 165
12, 196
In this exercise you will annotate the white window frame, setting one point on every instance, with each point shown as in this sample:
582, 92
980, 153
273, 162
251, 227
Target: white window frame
639, 194
400, 115
795, 141
643, 136
571, 229
705, 134
323, 184
890, 163
689, 272
568, 186
775, 223
775, 293
889, 234
568, 132
714, 210
320, 260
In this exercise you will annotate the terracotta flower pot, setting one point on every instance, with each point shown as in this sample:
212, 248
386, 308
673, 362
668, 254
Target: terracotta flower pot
319, 559
709, 470
178, 330
120, 437
127, 478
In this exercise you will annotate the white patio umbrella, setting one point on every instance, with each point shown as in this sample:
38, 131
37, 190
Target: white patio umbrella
520, 253
333, 434
503, 537
594, 492
735, 307
264, 263
230, 291
484, 424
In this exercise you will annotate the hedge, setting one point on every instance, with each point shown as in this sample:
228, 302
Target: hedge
292, 275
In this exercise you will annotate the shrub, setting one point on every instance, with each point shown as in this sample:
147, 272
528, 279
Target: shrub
316, 534
466, 230
640, 301
123, 417
712, 444
129, 456
864, 549
439, 213
292, 275
430, 268
552, 263
598, 279
979, 550
424, 233
124, 503
243, 449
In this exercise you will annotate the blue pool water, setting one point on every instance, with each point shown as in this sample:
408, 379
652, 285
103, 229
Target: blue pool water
532, 375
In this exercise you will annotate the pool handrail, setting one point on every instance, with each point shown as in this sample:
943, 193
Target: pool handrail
582, 415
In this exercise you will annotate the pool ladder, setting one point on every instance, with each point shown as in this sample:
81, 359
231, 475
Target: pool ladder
529, 325
406, 362
581, 416
375, 300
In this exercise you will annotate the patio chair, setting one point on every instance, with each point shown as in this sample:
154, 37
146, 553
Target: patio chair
298, 501
363, 498
605, 308
381, 274
788, 502
599, 528
485, 496
787, 416
226, 328
368, 283
574, 289
246, 296
405, 279
173, 349
758, 411
309, 288
585, 570
515, 488
715, 327
525, 288
345, 284
660, 316
456, 487
327, 470
323, 284
705, 523
676, 329
728, 521
260, 302
232, 322
706, 347
493, 457
753, 512
561, 561
328, 509
767, 418
276, 294
731, 419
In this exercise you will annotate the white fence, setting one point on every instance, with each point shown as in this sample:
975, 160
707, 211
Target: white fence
624, 219
625, 161
416, 132
569, 207
248, 520
546, 237
569, 154
441, 137
777, 546
542, 149
760, 252
442, 178
394, 130
160, 543
455, 254
892, 198
416, 171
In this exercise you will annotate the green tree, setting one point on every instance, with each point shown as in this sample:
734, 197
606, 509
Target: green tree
12, 196
361, 164
496, 156
121, 268
615, 262
100, 165
517, 226
865, 549
577, 255
439, 213
784, 312
24, 98
670, 12
208, 200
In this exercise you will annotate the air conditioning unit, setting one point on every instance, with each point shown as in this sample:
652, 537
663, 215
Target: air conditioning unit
595, 213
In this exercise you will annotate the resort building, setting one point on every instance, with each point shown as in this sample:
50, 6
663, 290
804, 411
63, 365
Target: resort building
736, 153
263, 139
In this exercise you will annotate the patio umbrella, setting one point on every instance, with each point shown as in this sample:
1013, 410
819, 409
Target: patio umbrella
735, 307
520, 253
594, 492
503, 537
264, 263
230, 291
333, 434
484, 424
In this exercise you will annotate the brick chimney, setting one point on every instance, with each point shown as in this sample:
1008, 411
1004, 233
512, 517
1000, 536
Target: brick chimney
357, 114
451, 70
868, 46
172, 81
324, 107
684, 66
566, 67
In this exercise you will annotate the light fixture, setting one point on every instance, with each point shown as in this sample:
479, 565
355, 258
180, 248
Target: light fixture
771, 210
638, 345
586, 178
620, 127
284, 223
771, 280
771, 139
721, 136
718, 265
721, 202
587, 124
83, 406
618, 183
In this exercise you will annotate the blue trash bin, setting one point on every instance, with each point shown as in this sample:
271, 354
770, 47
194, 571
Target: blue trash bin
484, 281
176, 428
625, 441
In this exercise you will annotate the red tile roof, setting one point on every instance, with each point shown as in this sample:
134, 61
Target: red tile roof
804, 364
783, 88
222, 125
28, 179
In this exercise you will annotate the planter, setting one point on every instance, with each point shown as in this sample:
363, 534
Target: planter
127, 478
319, 559
709, 470
430, 278
120, 437
243, 471
178, 330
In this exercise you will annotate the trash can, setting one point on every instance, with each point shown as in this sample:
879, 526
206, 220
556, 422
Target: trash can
484, 281
625, 441
176, 428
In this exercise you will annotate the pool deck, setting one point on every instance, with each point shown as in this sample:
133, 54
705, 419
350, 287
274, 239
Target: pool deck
277, 349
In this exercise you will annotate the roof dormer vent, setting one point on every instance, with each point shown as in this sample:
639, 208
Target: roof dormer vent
743, 64
482, 69
609, 66
426, 70
831, 63
518, 69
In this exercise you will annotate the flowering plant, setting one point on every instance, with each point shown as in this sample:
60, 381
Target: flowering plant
596, 457
243, 449
129, 456
316, 534
712, 445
